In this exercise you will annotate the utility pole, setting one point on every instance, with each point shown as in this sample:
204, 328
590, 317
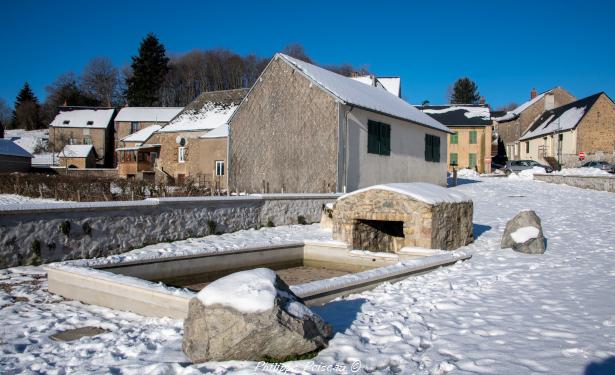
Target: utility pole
559, 146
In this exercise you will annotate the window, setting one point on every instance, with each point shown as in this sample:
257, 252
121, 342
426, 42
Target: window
472, 137
378, 138
66, 122
134, 127
72, 141
454, 159
219, 167
153, 156
181, 154
432, 148
90, 123
527, 147
454, 139
87, 140
472, 161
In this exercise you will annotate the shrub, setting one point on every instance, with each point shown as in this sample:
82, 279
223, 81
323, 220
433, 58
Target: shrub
65, 227
270, 223
301, 220
87, 228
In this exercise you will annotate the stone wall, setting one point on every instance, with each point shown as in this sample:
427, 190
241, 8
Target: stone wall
606, 183
106, 228
596, 132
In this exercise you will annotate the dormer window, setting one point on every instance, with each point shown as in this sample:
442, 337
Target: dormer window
66, 122
90, 123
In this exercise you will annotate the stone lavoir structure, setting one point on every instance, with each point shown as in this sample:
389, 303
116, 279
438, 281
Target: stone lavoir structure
304, 129
513, 124
386, 218
586, 125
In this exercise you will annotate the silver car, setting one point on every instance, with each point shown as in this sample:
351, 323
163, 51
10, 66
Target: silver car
517, 166
600, 165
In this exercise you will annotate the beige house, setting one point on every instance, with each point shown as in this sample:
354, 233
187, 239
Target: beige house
302, 128
78, 156
208, 157
510, 127
130, 120
471, 144
180, 139
136, 158
586, 125
84, 126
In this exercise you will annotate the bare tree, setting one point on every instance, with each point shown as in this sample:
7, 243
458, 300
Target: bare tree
5, 113
508, 107
298, 52
100, 79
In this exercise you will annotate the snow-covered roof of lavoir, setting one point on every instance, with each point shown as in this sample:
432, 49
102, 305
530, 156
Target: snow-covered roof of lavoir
352, 92
76, 151
83, 118
8, 147
421, 191
142, 135
151, 114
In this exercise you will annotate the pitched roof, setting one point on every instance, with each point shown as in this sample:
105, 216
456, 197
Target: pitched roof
151, 114
219, 132
208, 111
83, 118
562, 118
511, 115
357, 94
8, 147
459, 115
142, 135
76, 151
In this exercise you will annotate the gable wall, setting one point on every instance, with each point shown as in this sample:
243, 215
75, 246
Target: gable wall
596, 132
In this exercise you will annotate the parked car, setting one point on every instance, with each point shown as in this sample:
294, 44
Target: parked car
517, 166
600, 165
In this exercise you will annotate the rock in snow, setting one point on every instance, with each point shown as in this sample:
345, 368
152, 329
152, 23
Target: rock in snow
524, 233
251, 315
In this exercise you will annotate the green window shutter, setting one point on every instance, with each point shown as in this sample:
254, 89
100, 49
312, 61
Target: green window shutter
454, 139
385, 139
473, 137
472, 161
436, 149
372, 137
427, 147
454, 159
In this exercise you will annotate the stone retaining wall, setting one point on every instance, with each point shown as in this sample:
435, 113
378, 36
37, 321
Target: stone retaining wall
603, 183
39, 233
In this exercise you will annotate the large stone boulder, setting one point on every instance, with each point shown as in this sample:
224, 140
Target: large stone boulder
523, 233
251, 315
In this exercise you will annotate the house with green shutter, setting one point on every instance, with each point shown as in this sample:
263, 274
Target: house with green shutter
304, 129
470, 144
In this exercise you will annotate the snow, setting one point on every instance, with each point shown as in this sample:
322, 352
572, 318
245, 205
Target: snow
219, 132
524, 234
28, 139
18, 200
420, 191
391, 84
465, 172
209, 117
527, 174
356, 93
147, 114
76, 151
469, 111
566, 121
81, 118
500, 312
583, 171
249, 292
517, 111
142, 135
8, 147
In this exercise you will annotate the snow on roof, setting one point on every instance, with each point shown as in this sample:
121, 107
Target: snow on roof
517, 111
251, 291
421, 191
76, 151
158, 114
209, 117
83, 118
391, 84
356, 93
458, 115
469, 111
568, 120
142, 135
219, 132
8, 147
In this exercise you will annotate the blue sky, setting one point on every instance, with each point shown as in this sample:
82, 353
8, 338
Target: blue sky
507, 47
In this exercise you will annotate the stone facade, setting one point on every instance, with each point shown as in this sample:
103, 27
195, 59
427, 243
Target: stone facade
204, 153
381, 220
596, 131
80, 163
284, 135
100, 139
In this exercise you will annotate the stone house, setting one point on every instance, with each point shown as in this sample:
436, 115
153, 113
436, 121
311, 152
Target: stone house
130, 120
471, 144
84, 126
389, 217
136, 158
586, 125
515, 123
176, 139
302, 128
208, 157
78, 156
13, 158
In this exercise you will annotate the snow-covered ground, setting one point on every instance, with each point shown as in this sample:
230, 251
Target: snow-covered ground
583, 171
20, 199
501, 312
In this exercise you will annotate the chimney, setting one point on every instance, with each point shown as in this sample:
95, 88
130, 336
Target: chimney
533, 93
549, 101
373, 78
482, 100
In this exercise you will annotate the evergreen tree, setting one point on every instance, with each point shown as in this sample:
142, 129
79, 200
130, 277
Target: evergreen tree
465, 91
26, 114
149, 69
64, 90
